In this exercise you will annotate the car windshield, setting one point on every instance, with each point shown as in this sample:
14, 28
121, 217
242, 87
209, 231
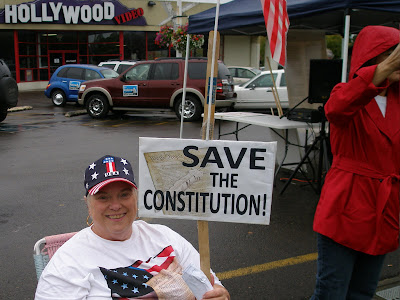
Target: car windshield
256, 71
108, 73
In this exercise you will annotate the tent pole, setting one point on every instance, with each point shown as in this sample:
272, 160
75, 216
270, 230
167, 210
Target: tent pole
345, 49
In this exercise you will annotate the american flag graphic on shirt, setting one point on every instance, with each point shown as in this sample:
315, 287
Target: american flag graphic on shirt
132, 282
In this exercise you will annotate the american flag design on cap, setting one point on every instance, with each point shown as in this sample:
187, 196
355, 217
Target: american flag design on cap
107, 169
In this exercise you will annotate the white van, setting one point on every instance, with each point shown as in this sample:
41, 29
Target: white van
118, 66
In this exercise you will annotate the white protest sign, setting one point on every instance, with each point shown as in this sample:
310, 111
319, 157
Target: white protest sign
214, 180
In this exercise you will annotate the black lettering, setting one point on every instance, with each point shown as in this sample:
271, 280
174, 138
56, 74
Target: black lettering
190, 194
234, 180
264, 204
222, 180
197, 202
204, 195
182, 208
241, 212
213, 178
217, 160
194, 158
225, 196
234, 165
254, 204
253, 158
158, 207
145, 198
216, 210
171, 200
233, 204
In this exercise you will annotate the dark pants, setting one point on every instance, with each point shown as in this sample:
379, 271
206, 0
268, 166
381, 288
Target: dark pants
343, 273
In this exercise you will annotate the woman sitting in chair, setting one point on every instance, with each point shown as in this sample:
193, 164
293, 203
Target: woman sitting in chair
118, 257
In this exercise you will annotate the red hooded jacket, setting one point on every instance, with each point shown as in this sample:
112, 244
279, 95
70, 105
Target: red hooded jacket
359, 203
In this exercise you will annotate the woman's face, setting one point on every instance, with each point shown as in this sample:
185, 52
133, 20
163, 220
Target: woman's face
113, 210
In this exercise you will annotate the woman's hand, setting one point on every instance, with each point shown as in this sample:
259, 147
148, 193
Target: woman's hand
218, 293
388, 66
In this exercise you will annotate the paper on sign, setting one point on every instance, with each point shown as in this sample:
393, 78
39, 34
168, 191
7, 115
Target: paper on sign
197, 281
225, 181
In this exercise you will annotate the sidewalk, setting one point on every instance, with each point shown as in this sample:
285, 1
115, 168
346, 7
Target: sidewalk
388, 289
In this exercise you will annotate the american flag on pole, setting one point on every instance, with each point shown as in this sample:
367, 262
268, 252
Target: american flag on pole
277, 25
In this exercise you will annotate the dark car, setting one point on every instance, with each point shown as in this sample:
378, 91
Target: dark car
64, 84
8, 90
157, 84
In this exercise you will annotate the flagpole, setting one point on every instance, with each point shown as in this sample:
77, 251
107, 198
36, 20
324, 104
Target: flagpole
183, 101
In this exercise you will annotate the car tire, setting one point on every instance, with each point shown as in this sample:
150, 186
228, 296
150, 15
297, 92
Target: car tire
3, 114
97, 106
58, 98
192, 111
8, 92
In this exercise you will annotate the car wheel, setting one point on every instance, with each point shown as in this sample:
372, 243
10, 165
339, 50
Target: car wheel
97, 106
58, 97
3, 114
192, 109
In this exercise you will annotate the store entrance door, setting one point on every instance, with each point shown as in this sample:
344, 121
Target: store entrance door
60, 57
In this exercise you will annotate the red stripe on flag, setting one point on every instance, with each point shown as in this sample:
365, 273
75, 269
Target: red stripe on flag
163, 266
277, 25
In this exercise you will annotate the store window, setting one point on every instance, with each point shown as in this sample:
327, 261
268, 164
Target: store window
42, 52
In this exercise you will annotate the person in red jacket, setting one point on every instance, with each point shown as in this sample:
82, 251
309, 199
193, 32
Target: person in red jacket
357, 217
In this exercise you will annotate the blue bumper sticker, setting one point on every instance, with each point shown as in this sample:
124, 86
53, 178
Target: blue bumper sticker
130, 90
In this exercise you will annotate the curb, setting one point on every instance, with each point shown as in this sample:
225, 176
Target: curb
19, 108
76, 113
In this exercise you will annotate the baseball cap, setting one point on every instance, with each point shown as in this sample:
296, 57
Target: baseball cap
105, 170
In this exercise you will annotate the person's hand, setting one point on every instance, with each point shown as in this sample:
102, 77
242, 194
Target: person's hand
388, 66
218, 293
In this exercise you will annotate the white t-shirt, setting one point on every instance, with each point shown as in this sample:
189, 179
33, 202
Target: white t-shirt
381, 101
149, 265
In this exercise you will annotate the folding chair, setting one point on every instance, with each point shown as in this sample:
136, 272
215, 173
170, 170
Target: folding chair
45, 248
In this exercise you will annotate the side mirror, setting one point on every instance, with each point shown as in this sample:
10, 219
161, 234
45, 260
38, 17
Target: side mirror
252, 86
123, 78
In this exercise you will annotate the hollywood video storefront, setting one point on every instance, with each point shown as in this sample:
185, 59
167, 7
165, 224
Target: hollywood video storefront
39, 36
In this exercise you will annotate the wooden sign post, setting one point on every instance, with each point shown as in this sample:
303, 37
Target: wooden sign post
208, 125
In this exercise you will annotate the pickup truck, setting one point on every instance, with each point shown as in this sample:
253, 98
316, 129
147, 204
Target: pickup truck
8, 90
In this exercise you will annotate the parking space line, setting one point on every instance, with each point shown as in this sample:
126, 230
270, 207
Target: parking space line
268, 266
123, 124
94, 123
162, 123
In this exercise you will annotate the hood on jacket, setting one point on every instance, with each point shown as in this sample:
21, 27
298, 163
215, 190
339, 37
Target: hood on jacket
370, 42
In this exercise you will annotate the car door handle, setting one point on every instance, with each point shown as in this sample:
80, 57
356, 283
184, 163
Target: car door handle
143, 84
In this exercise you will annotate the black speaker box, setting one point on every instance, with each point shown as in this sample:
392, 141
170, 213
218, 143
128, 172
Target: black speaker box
324, 75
